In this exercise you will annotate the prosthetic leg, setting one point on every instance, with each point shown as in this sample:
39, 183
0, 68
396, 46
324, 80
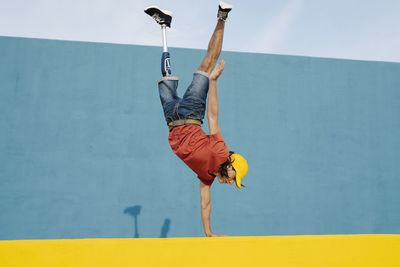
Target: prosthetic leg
168, 84
164, 18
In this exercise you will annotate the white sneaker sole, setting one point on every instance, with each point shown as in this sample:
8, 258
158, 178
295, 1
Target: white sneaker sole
224, 5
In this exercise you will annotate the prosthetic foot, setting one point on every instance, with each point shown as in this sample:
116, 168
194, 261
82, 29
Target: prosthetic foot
223, 10
162, 17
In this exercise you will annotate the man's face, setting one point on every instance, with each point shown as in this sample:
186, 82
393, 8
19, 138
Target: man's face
231, 177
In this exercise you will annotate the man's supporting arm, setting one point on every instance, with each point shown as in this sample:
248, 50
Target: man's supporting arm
206, 209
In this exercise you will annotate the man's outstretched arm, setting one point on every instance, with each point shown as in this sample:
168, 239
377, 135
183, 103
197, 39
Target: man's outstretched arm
212, 107
206, 209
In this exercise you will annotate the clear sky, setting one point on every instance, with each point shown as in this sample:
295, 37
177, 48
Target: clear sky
354, 29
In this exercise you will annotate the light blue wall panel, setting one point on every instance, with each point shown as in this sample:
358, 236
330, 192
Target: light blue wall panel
84, 149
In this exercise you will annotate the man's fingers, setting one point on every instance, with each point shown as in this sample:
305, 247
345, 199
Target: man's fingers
216, 72
221, 65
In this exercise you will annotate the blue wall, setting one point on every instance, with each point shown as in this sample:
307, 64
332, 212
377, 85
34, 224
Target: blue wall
84, 150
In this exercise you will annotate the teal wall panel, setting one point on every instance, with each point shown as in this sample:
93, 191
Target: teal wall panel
84, 149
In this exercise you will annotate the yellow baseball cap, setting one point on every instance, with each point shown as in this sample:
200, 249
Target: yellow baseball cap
240, 165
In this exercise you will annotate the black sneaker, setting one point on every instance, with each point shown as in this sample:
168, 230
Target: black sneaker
223, 10
162, 17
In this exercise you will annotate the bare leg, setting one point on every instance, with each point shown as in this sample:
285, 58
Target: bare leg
214, 48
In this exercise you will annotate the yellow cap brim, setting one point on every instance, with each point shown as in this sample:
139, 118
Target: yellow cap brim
239, 177
238, 184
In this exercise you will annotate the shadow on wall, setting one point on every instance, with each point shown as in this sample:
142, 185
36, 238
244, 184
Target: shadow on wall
134, 211
165, 228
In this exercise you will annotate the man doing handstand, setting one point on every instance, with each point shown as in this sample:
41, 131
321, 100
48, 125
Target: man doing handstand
207, 155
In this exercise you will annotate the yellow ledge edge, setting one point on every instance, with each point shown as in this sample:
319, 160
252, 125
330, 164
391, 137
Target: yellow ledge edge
311, 250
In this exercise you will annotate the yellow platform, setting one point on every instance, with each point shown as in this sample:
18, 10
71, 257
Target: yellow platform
333, 250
